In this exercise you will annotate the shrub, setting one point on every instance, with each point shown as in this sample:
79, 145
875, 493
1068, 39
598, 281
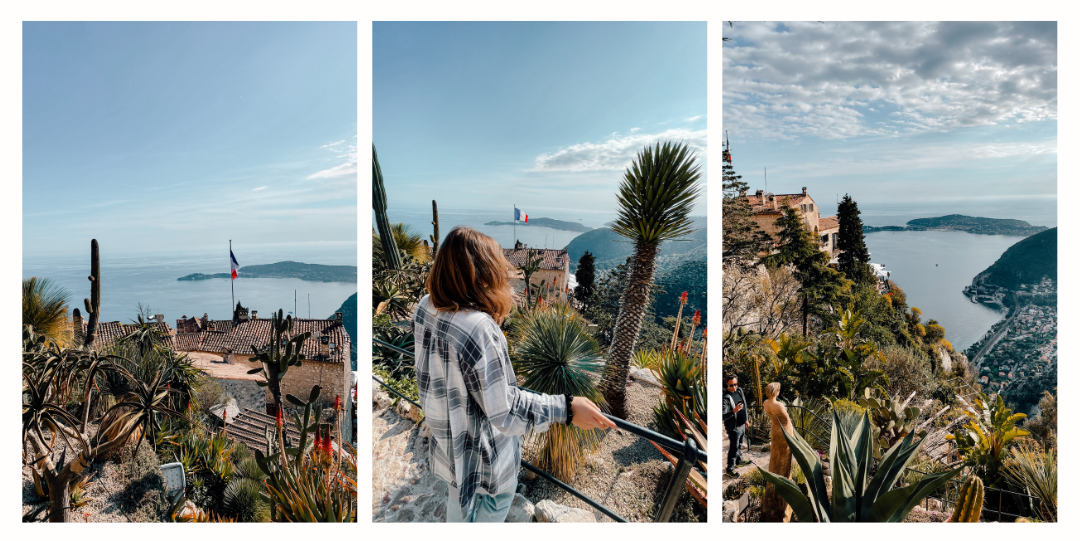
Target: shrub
143, 498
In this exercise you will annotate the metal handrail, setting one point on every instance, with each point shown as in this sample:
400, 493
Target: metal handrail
689, 455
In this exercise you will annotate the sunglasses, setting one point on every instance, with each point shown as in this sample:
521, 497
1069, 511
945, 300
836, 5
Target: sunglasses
733, 384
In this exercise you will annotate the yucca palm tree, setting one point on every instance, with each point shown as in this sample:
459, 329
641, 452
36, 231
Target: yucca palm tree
44, 307
557, 355
407, 240
655, 199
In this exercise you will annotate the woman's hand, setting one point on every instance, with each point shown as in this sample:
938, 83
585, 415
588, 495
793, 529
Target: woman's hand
587, 415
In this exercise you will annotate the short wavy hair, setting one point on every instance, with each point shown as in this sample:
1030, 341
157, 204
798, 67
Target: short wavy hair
471, 272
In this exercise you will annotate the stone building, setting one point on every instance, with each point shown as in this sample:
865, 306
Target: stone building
554, 270
326, 353
109, 332
767, 208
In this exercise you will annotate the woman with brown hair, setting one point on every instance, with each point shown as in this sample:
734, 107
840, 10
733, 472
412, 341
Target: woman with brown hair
475, 410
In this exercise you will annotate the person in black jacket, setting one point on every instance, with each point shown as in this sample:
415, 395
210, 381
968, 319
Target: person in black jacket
735, 423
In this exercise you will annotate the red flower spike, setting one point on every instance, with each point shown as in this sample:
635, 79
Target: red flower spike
682, 298
697, 317
705, 333
280, 419
225, 416
337, 402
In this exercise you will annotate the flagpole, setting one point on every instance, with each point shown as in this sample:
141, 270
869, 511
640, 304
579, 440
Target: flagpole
232, 281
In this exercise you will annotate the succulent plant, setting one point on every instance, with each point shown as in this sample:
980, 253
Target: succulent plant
970, 501
892, 420
856, 496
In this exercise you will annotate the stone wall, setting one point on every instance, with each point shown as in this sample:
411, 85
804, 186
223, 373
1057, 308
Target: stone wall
334, 378
561, 277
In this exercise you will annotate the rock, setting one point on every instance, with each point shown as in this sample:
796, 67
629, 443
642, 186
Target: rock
521, 510
379, 398
408, 411
549, 511
644, 375
730, 508
765, 448
529, 474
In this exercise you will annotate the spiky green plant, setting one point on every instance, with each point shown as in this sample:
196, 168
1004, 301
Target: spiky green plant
378, 203
282, 352
44, 307
1031, 469
557, 355
891, 418
684, 391
655, 198
990, 429
969, 502
856, 496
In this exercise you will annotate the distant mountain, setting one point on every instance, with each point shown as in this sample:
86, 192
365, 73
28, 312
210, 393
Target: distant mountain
287, 269
1025, 262
957, 222
547, 222
610, 248
349, 319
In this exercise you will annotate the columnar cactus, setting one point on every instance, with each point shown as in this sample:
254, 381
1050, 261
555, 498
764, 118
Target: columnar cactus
435, 222
93, 304
282, 352
378, 200
969, 502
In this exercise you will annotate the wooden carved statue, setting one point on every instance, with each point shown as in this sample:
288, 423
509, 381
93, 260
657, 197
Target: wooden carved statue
773, 506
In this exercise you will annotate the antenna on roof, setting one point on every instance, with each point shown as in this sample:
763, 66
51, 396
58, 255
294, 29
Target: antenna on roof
766, 180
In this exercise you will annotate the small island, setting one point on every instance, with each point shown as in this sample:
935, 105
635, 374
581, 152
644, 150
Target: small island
970, 224
286, 269
550, 223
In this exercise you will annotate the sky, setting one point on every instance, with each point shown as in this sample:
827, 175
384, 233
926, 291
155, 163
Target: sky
893, 113
166, 137
544, 115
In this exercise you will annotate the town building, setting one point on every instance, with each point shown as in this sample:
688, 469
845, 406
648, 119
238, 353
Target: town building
554, 272
326, 354
766, 208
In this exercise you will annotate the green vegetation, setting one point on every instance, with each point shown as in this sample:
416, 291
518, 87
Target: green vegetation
655, 198
349, 320
586, 279
546, 222
1026, 262
286, 269
610, 249
44, 307
854, 257
956, 222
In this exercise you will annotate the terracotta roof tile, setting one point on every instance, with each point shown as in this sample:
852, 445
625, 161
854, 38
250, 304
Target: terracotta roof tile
761, 205
240, 337
553, 259
828, 222
109, 332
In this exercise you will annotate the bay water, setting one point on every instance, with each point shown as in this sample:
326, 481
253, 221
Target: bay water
128, 279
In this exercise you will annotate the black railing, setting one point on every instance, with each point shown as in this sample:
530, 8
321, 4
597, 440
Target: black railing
809, 425
689, 455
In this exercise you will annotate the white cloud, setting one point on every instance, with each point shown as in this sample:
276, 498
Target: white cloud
815, 79
617, 152
693, 118
348, 168
259, 188
635, 130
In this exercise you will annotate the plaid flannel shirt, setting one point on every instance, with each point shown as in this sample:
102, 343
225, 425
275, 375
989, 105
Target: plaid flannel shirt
472, 404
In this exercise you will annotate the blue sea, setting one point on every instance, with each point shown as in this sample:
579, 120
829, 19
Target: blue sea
130, 279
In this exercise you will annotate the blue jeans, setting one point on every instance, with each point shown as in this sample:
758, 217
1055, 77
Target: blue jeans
485, 508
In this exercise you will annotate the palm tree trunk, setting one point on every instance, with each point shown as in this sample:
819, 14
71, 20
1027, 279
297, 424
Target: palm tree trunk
627, 326
59, 498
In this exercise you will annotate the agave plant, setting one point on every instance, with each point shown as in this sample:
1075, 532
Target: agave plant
684, 391
557, 355
856, 495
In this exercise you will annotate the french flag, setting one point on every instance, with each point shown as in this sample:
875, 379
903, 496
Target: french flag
233, 264
520, 216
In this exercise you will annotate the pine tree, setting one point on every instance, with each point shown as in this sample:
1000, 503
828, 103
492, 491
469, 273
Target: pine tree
822, 287
586, 278
743, 240
854, 258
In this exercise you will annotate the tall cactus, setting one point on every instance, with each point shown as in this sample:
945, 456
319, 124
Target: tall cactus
93, 304
378, 200
970, 501
435, 222
282, 352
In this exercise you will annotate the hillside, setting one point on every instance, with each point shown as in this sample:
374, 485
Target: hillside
349, 319
610, 249
547, 222
690, 276
1025, 262
970, 224
286, 269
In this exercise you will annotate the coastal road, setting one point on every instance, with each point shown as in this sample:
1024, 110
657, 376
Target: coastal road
976, 361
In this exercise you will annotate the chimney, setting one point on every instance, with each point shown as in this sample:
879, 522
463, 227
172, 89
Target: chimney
76, 324
772, 201
742, 192
160, 318
804, 191
517, 245
205, 321
760, 193
254, 314
339, 316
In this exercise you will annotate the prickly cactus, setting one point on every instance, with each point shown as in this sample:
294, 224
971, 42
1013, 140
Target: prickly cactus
435, 222
892, 420
969, 502
378, 201
282, 352
93, 304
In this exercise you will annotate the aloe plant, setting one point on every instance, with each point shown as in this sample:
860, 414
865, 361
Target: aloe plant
856, 496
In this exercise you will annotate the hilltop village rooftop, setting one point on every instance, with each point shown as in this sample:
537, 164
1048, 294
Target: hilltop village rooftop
553, 272
223, 348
